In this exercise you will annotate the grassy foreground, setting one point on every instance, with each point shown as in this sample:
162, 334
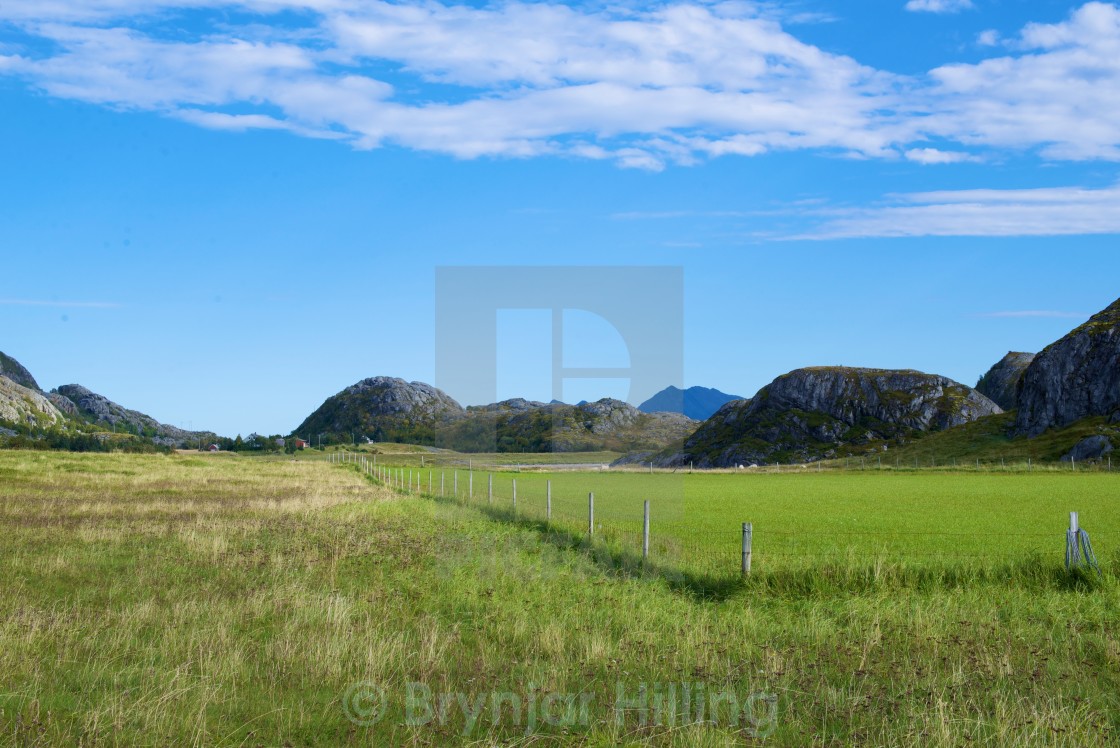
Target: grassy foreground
177, 600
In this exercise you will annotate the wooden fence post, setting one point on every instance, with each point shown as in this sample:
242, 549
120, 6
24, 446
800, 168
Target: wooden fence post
748, 532
590, 514
490, 489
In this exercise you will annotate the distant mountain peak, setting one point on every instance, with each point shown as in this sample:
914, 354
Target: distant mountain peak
698, 403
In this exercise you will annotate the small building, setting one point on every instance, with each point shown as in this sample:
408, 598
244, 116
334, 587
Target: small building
214, 448
302, 443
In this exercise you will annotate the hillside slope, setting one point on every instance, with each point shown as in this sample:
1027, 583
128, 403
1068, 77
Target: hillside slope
16, 372
388, 409
1074, 378
817, 413
100, 410
1001, 383
384, 409
22, 406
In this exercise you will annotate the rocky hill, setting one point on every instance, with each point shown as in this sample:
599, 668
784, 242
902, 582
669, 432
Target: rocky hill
698, 403
391, 409
606, 424
100, 410
16, 372
385, 409
1001, 383
1077, 377
23, 406
816, 413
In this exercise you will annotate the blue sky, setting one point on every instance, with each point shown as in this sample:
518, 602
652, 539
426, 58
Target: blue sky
221, 212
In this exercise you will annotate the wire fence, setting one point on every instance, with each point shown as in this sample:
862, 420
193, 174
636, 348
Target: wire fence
688, 550
1012, 463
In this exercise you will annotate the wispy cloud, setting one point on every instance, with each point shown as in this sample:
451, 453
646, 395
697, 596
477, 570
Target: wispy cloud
1034, 212
643, 86
53, 303
938, 6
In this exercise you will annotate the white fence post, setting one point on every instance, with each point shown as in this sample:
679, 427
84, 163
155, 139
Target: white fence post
591, 514
548, 501
748, 532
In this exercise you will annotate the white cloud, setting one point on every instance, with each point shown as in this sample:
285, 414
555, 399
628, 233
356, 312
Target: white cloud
935, 156
1062, 95
669, 84
1035, 212
938, 6
988, 38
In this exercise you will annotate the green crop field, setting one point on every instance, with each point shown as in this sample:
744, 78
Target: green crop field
223, 600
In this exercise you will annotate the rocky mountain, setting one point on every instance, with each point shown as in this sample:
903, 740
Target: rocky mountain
815, 413
23, 406
391, 409
1076, 377
1001, 383
606, 424
16, 372
98, 409
698, 403
385, 409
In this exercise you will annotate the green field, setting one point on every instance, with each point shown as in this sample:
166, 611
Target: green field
800, 519
223, 600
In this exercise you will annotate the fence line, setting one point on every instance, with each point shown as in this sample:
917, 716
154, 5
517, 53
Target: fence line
696, 549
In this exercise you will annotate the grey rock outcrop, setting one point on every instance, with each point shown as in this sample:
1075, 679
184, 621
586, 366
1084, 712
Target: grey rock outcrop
1076, 377
1001, 383
63, 403
103, 411
16, 372
25, 406
807, 414
1089, 448
385, 409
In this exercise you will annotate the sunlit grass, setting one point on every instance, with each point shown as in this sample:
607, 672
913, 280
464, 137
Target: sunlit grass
126, 619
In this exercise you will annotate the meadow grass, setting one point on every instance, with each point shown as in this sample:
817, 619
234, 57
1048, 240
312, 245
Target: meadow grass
805, 519
180, 600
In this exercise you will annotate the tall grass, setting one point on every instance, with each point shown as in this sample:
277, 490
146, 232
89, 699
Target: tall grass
283, 588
